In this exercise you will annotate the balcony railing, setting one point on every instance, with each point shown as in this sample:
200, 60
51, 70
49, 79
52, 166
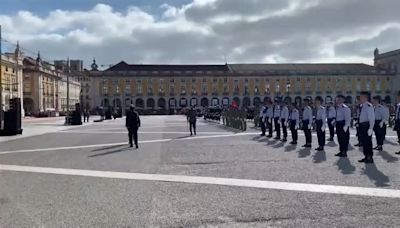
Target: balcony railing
215, 94
388, 91
172, 94
225, 93
204, 94
161, 94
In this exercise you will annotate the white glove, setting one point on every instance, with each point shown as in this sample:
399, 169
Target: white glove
333, 122
381, 124
297, 127
270, 120
345, 128
310, 126
287, 123
370, 132
323, 128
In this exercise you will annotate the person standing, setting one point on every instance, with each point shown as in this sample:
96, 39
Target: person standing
269, 117
294, 124
84, 115
192, 118
284, 120
132, 124
366, 127
343, 119
331, 115
307, 122
397, 120
386, 112
357, 121
277, 121
380, 118
263, 111
320, 121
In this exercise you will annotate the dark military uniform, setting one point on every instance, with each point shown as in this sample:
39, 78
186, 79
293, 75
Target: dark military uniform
132, 124
343, 119
367, 122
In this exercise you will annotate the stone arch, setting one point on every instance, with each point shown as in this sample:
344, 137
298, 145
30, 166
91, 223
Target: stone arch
183, 102
298, 101
204, 102
161, 103
256, 101
246, 102
139, 103
237, 100
28, 105
150, 103
215, 101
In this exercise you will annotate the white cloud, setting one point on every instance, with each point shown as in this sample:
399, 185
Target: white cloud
204, 31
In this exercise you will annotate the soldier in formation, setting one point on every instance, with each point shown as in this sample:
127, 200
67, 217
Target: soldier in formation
381, 119
294, 122
277, 119
307, 122
343, 119
269, 116
284, 118
331, 115
320, 122
366, 126
397, 120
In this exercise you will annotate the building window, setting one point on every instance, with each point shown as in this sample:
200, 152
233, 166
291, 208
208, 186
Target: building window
204, 79
194, 92
267, 88
139, 87
183, 90
277, 88
368, 85
288, 86
256, 91
225, 80
378, 85
193, 80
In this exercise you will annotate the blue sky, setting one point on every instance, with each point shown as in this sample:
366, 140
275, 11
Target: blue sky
43, 7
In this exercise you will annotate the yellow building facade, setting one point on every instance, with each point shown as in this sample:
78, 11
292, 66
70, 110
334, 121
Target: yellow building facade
180, 86
11, 76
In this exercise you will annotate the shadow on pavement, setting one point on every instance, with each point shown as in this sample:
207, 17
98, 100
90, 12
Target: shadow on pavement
304, 152
290, 148
184, 137
391, 143
107, 148
380, 179
319, 157
110, 152
279, 145
331, 144
345, 166
388, 157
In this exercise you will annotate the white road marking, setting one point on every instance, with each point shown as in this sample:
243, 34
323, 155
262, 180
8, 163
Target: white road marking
260, 184
80, 147
141, 132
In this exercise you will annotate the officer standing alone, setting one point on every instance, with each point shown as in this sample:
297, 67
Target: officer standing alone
294, 124
192, 119
307, 122
132, 124
284, 120
343, 118
367, 122
320, 121
331, 115
357, 121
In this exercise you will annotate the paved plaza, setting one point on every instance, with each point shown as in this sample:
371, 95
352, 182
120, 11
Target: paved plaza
87, 176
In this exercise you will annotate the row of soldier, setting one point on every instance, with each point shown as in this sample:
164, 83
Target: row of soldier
278, 115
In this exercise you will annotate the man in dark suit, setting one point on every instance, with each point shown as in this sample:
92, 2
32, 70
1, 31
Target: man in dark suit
132, 124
